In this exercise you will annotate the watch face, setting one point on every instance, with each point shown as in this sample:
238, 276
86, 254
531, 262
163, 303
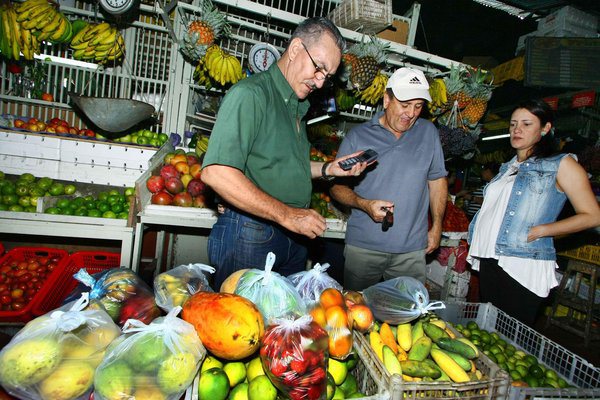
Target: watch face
261, 56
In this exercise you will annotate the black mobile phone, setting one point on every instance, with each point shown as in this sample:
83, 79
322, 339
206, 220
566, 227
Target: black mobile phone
366, 156
388, 221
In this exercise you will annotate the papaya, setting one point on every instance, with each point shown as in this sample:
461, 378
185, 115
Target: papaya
229, 326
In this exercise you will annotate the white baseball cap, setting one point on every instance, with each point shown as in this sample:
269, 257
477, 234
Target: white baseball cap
408, 84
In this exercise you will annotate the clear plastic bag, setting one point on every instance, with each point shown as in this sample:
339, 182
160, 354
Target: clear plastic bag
311, 283
159, 361
120, 292
294, 356
274, 295
174, 287
55, 355
399, 300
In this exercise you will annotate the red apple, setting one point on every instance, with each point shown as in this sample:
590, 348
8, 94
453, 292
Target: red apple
192, 159
155, 183
51, 129
182, 200
47, 97
19, 123
196, 170
199, 201
196, 187
162, 198
169, 171
62, 129
174, 185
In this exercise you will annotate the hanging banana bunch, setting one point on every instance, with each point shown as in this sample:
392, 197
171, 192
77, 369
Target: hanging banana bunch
98, 42
439, 97
221, 66
375, 91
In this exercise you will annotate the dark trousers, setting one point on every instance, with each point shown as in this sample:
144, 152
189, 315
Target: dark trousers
498, 288
239, 241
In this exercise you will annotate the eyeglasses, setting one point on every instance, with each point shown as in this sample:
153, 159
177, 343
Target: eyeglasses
320, 72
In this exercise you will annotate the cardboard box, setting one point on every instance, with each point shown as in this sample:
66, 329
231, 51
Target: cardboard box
399, 34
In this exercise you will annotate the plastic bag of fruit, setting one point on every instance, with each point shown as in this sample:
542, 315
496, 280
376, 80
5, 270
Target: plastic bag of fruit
55, 355
311, 283
294, 356
399, 300
274, 295
120, 292
155, 361
174, 287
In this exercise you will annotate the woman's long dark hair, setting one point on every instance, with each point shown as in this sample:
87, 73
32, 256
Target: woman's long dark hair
547, 146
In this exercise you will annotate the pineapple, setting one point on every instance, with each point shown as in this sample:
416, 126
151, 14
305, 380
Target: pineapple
203, 32
456, 87
362, 63
481, 92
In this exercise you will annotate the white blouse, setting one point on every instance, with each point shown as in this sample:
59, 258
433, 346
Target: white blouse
536, 275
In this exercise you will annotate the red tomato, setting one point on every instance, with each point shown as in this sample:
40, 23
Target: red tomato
4, 299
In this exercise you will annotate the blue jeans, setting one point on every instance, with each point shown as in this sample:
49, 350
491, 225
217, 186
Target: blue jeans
238, 241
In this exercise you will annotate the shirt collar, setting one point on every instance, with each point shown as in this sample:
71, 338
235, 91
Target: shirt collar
281, 84
375, 121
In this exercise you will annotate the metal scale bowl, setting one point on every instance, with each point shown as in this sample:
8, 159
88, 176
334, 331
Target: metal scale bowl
113, 114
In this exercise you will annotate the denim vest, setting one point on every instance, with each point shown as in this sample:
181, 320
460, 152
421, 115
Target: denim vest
534, 200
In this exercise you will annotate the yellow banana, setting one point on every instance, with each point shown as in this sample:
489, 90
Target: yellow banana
60, 29
26, 47
53, 25
78, 38
39, 13
96, 29
79, 46
32, 9
16, 33
103, 35
29, 5
109, 39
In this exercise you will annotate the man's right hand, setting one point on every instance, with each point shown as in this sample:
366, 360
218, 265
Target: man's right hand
377, 209
306, 222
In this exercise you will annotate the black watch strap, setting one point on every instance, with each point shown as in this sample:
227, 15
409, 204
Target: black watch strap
324, 175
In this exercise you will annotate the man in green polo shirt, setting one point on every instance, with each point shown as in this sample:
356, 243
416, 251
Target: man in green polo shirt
258, 159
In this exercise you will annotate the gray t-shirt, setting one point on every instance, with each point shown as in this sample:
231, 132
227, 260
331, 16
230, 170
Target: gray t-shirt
401, 175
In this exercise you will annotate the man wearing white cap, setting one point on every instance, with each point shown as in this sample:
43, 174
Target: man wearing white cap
407, 181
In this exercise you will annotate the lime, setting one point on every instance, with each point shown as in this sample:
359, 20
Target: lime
485, 337
339, 394
213, 384
254, 368
466, 333
9, 188
260, 388
63, 203
536, 371
70, 189
102, 196
491, 355
109, 214
57, 189
163, 137
81, 212
239, 392
30, 209
37, 191
351, 361
52, 210
22, 190
27, 177
338, 370
24, 201
515, 375
10, 199
501, 343
552, 383
472, 325
94, 213
102, 206
550, 374
210, 362
530, 360
129, 191
236, 372
116, 208
44, 183
89, 204
123, 215
67, 211
142, 140
113, 198
16, 208
350, 385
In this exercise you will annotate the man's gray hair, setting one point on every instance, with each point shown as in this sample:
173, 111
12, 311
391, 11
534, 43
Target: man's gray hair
311, 30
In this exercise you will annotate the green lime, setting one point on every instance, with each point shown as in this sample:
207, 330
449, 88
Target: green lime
351, 361
70, 189
536, 371
10, 199
472, 325
129, 191
79, 201
213, 384
236, 372
254, 368
552, 383
109, 214
52, 210
495, 349
9, 188
3, 207
24, 201
44, 183
491, 355
94, 213
57, 189
33, 200
515, 375
102, 206
67, 211
350, 385
27, 177
339, 394
122, 215
103, 196
239, 392
531, 360
211, 362
30, 209
63, 203
142, 140
116, 208
37, 191
89, 204
260, 388
510, 350
466, 333
163, 137
330, 386
16, 208
22, 190
81, 212
485, 337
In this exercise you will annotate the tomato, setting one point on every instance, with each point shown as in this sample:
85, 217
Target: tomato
4, 299
22, 265
18, 305
50, 267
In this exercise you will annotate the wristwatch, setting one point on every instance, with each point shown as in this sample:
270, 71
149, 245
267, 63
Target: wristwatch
324, 175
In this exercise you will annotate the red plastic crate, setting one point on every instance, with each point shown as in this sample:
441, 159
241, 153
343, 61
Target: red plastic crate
20, 254
62, 281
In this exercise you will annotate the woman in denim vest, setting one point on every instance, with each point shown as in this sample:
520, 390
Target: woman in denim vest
511, 236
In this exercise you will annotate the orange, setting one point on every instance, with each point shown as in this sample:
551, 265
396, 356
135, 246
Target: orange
318, 315
340, 343
336, 317
331, 297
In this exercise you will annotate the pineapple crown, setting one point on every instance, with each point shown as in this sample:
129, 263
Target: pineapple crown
376, 48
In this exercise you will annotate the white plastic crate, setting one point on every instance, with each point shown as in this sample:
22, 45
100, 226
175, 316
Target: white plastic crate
574, 369
568, 19
367, 16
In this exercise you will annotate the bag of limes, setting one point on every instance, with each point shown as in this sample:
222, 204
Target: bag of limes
159, 360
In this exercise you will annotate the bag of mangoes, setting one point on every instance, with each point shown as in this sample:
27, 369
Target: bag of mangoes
54, 356
155, 361
174, 287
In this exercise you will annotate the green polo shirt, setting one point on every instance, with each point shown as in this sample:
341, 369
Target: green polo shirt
257, 132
